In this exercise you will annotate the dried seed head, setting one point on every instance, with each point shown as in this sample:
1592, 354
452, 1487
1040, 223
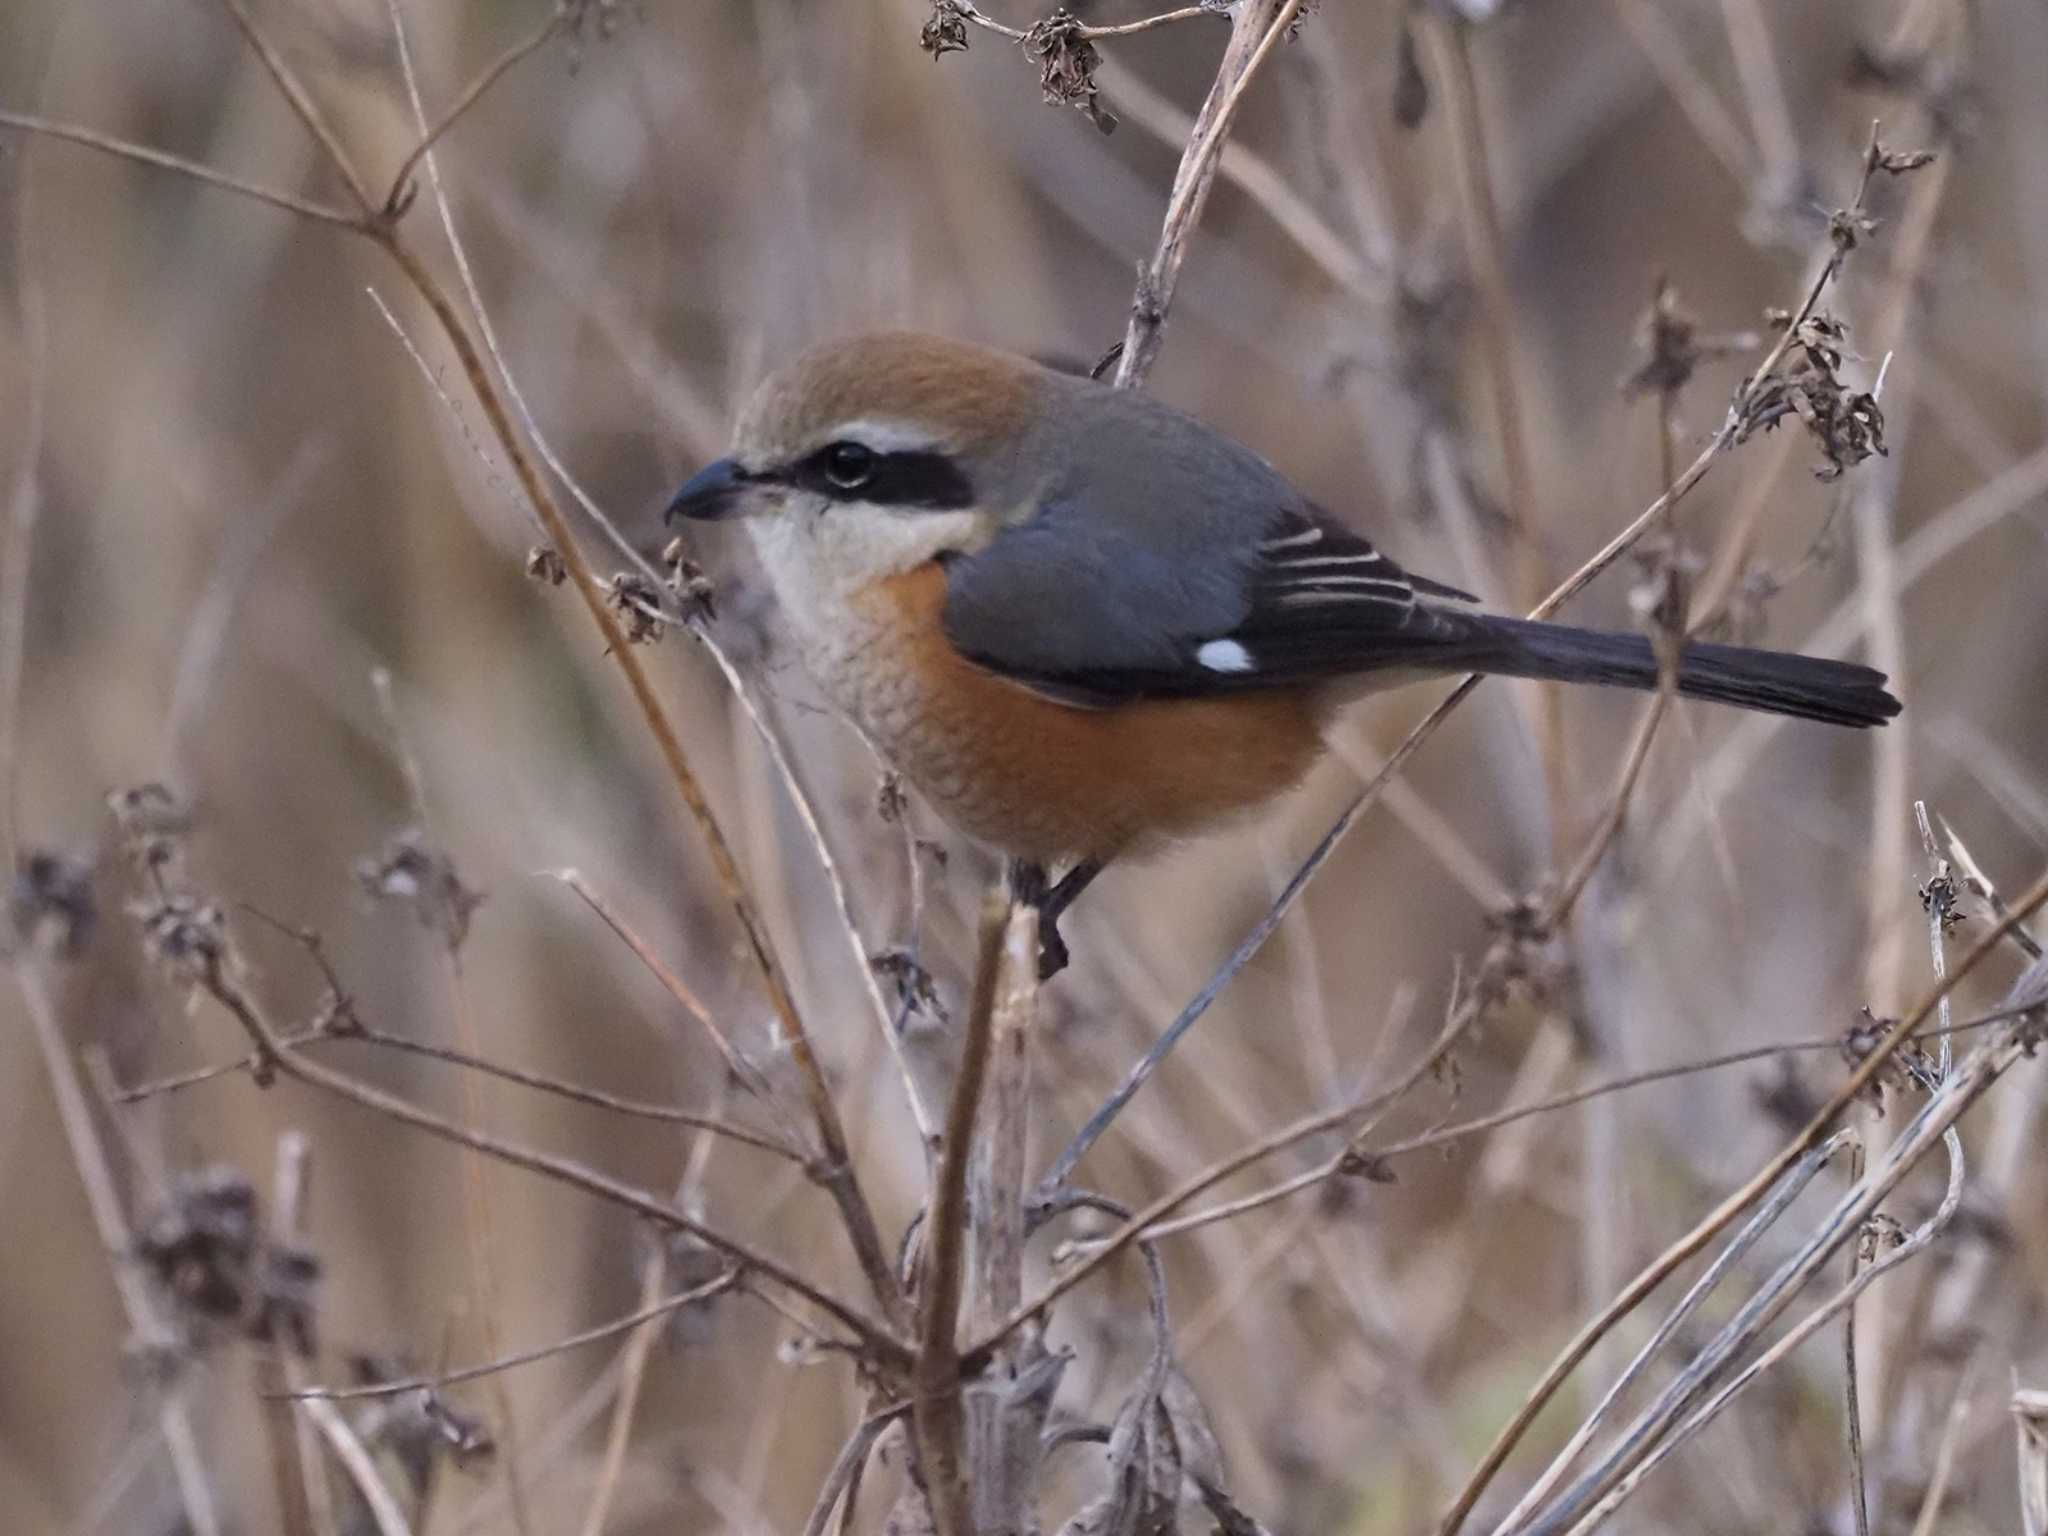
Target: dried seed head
410, 870
1067, 62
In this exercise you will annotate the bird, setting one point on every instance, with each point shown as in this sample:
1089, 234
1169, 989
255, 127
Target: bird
1085, 625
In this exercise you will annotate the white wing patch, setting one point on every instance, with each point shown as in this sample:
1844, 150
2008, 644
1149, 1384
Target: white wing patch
1224, 656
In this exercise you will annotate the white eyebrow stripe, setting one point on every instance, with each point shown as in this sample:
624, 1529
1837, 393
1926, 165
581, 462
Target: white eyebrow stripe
883, 436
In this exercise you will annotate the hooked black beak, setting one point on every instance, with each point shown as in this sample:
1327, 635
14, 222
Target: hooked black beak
713, 492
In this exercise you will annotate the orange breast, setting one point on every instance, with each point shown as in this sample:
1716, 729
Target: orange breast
1050, 781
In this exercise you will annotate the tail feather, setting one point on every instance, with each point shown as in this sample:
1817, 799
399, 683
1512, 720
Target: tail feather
1776, 682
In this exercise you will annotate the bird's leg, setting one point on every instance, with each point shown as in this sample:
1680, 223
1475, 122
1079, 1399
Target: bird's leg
1029, 884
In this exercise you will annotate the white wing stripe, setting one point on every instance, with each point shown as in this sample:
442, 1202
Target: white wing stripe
1302, 563
1313, 534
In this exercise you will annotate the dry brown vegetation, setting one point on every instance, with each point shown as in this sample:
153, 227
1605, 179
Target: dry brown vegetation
305, 734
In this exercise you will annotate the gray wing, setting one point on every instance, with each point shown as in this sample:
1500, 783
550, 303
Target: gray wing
1097, 616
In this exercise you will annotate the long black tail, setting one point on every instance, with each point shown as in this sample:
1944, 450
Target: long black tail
1777, 682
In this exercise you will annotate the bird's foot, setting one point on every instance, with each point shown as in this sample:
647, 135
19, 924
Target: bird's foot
1030, 885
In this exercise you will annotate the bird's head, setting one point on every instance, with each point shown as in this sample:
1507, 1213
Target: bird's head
866, 457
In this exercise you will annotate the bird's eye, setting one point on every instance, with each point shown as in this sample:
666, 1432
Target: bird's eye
849, 466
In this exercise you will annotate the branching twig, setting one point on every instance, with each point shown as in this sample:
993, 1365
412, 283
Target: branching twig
398, 199
214, 978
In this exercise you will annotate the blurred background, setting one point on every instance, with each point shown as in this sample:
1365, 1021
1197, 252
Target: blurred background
256, 477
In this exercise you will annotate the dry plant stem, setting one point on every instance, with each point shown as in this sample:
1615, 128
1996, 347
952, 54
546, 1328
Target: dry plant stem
361, 1467
302, 104
1662, 45
995, 1194
1877, 557
1796, 1180
939, 1414
1611, 819
1852, 1408
292, 1062
613, 1103
395, 199
1142, 1070
743, 1071
597, 1335
1693, 1241
968, 12
1937, 878
89, 1156
24, 506
846, 1467
632, 1362
1756, 66
122, 149
1945, 1450
1486, 249
280, 1370
234, 565
1257, 27
1259, 180
479, 1226
1656, 1436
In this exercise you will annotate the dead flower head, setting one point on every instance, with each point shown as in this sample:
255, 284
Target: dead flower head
945, 30
207, 1252
1067, 62
637, 601
1847, 423
411, 871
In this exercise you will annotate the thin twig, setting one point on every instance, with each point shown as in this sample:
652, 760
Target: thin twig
1795, 1182
361, 1467
302, 105
1852, 1408
395, 200
480, 1232
968, 11
18, 535
1257, 27
603, 1331
632, 1360
142, 154
846, 1466
234, 566
300, 1467
1945, 1450
322, 1034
